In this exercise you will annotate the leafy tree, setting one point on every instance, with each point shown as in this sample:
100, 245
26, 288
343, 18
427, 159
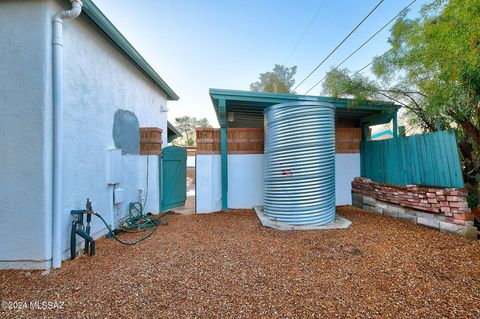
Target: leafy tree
203, 122
433, 70
279, 80
186, 125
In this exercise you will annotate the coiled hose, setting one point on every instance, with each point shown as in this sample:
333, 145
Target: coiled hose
136, 222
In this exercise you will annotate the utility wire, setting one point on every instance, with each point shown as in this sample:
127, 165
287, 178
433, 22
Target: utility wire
364, 43
371, 62
344, 39
379, 92
305, 32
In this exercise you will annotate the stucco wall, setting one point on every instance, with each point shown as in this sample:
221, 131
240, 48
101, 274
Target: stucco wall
25, 143
347, 167
98, 81
245, 180
208, 184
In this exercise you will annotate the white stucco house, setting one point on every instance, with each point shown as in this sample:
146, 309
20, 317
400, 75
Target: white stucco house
60, 119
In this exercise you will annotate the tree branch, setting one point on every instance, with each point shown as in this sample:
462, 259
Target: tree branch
467, 125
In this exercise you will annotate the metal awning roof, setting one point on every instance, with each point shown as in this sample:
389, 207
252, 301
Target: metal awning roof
172, 132
248, 106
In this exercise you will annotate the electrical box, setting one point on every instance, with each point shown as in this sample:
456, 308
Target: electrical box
114, 166
118, 195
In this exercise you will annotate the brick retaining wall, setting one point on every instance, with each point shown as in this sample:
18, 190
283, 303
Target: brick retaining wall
442, 208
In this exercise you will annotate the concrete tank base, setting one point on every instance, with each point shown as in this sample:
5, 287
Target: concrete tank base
338, 223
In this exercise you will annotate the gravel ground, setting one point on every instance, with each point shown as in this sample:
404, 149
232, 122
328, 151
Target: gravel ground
226, 265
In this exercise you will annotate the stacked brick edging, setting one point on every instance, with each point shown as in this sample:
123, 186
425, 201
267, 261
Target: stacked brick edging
442, 208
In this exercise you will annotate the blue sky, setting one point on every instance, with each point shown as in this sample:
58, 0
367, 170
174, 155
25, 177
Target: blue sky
195, 45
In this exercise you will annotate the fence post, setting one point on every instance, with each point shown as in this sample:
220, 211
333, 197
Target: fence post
224, 151
395, 125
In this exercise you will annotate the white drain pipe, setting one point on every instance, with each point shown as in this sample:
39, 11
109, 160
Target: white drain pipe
57, 48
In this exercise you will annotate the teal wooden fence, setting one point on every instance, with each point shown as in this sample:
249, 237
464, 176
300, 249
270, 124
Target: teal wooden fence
430, 159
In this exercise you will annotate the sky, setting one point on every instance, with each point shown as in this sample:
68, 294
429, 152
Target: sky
195, 45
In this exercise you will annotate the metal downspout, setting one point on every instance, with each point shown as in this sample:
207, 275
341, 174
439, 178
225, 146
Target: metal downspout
57, 92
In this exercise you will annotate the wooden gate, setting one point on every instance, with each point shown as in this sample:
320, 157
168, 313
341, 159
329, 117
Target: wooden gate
173, 177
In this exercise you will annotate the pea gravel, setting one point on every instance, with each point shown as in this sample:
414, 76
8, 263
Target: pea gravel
225, 265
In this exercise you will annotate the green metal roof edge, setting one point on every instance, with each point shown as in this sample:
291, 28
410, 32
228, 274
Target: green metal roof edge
92, 11
172, 127
274, 97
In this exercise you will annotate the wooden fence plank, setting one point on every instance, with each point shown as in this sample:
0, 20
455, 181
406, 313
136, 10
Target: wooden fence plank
430, 160
440, 176
250, 140
457, 174
447, 170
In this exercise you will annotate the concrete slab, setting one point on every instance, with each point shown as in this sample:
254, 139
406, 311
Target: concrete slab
390, 212
466, 231
395, 208
358, 198
408, 217
451, 228
378, 209
428, 222
369, 201
339, 223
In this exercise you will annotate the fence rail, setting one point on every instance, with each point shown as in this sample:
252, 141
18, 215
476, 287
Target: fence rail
347, 140
240, 140
250, 140
430, 159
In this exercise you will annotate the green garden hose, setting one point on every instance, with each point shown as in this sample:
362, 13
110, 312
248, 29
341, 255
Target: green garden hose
135, 223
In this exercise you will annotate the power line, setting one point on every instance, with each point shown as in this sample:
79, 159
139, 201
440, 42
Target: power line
344, 39
371, 62
305, 32
364, 43
380, 92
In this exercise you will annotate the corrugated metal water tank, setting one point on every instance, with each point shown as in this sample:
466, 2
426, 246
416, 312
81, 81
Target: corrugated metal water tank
299, 172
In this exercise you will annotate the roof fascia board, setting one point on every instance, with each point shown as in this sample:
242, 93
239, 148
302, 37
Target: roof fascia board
262, 97
377, 119
175, 130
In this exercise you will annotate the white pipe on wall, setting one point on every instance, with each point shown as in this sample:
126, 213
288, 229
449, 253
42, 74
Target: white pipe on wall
57, 92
